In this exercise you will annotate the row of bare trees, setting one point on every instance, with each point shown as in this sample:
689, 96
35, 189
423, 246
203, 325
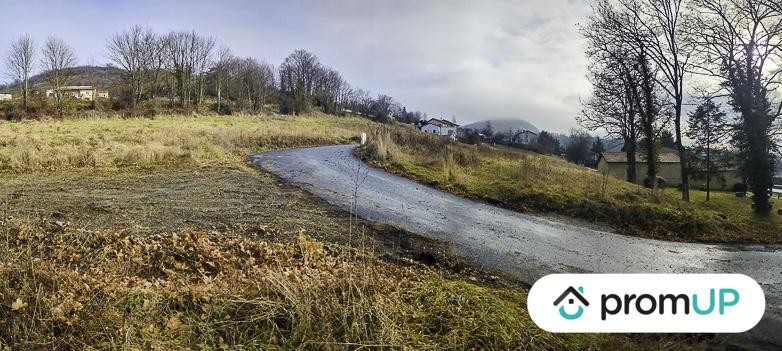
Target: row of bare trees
187, 65
183, 67
174, 64
643, 56
304, 82
56, 59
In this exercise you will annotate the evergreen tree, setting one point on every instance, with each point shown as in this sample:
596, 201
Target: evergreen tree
667, 140
707, 127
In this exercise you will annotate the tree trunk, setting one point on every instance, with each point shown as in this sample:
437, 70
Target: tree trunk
685, 176
25, 92
708, 167
760, 164
631, 161
651, 159
219, 96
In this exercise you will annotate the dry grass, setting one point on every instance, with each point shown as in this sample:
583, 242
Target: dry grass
152, 234
116, 142
63, 287
529, 182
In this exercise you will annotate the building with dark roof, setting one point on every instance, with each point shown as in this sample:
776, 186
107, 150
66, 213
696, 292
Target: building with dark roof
615, 165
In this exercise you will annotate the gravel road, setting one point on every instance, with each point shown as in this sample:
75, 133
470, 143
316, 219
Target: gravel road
524, 246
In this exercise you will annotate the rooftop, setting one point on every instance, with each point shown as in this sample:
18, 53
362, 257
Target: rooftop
665, 155
441, 123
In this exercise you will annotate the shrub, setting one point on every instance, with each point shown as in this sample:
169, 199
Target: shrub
660, 182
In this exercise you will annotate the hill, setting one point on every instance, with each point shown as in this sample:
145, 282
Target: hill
103, 77
543, 184
498, 125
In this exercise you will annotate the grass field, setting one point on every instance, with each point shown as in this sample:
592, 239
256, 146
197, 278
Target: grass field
155, 234
529, 182
163, 141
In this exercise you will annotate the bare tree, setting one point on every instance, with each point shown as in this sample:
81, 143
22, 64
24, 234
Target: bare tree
201, 60
189, 57
667, 44
381, 108
611, 108
298, 74
156, 63
20, 64
130, 50
328, 89
740, 43
625, 101
57, 60
179, 45
248, 83
224, 58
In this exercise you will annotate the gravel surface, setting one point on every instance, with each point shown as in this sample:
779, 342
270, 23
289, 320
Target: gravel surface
524, 246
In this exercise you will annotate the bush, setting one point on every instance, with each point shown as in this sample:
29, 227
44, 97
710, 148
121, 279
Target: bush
740, 187
660, 182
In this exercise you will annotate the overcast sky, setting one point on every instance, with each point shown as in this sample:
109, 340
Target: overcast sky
469, 59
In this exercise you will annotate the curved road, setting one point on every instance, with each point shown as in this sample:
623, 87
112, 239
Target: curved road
524, 246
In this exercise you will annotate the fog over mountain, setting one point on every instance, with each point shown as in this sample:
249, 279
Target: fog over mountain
502, 125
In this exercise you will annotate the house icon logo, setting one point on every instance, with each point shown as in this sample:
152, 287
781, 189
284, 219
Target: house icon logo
571, 294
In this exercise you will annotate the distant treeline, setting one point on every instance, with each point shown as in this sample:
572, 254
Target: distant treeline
184, 68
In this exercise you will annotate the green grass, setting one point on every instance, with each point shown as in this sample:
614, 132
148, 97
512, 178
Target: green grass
536, 183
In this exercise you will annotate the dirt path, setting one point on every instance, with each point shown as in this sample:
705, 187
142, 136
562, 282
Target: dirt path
524, 246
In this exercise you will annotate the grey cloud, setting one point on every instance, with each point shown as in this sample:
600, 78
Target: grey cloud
471, 59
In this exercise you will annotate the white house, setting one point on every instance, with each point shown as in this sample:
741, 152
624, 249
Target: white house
440, 127
5, 97
81, 92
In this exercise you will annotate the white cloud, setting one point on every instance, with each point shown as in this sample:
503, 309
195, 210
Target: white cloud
471, 59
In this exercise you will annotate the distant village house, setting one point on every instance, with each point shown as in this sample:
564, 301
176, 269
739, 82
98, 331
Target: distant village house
81, 92
5, 97
615, 164
440, 127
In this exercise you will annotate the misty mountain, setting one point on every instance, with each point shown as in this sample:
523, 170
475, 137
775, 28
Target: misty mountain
502, 125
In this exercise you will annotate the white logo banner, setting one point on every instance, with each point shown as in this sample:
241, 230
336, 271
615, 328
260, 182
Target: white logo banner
646, 303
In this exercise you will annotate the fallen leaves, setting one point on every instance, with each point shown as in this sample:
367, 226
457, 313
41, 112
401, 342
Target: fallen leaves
89, 283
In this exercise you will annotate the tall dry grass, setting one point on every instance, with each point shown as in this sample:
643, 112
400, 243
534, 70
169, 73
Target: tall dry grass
63, 287
529, 182
117, 142
402, 145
